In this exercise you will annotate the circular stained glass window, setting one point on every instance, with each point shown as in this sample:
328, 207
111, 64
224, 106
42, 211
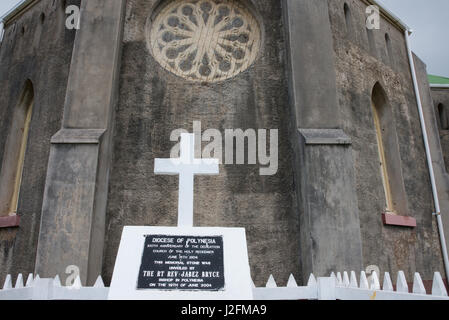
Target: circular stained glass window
205, 40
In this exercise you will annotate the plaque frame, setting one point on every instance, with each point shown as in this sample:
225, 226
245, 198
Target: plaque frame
173, 278
238, 284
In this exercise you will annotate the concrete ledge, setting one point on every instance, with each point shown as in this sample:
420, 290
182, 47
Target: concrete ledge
401, 221
439, 86
325, 137
9, 221
78, 136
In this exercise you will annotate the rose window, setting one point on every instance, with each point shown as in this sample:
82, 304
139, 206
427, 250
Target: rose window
207, 41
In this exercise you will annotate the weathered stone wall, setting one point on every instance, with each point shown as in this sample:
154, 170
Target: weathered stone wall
435, 143
153, 102
36, 46
361, 61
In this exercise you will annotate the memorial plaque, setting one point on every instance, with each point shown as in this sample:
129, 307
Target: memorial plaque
188, 263
182, 263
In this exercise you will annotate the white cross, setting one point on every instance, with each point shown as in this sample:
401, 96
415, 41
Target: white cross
186, 167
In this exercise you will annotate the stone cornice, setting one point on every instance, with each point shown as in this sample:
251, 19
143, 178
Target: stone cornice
17, 11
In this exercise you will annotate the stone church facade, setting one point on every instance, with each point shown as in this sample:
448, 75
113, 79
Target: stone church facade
84, 113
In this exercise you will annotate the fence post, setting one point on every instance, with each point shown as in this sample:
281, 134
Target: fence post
326, 289
42, 289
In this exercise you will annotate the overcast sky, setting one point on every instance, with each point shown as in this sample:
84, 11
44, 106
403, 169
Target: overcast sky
428, 18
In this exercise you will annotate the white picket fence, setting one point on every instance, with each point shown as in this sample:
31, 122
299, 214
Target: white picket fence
346, 287
37, 288
336, 287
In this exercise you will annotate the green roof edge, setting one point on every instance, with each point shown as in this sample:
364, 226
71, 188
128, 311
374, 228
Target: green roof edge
437, 79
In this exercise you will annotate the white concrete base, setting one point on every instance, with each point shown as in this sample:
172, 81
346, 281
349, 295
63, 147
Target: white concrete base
238, 284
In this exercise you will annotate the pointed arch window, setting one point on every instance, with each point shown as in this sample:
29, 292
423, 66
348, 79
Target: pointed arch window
390, 53
348, 18
389, 155
376, 104
14, 153
371, 41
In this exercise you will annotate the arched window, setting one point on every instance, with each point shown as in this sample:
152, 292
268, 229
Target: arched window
378, 103
348, 18
442, 113
389, 155
14, 153
389, 48
371, 41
